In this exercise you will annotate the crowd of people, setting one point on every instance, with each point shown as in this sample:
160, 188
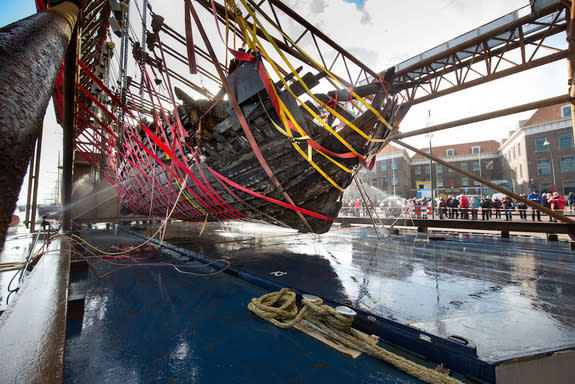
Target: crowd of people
468, 207
493, 207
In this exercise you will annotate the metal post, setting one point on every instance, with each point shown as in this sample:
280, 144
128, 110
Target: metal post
431, 181
571, 61
36, 171
69, 86
548, 145
31, 53
393, 175
29, 194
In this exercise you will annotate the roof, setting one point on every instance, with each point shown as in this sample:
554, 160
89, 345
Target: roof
488, 146
389, 149
545, 114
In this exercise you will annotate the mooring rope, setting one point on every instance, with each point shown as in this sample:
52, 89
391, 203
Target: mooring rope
280, 309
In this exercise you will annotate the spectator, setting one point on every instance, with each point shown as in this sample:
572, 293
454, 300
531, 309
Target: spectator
442, 205
486, 207
497, 205
474, 206
557, 203
452, 205
507, 203
571, 201
357, 206
546, 203
522, 208
536, 198
464, 207
45, 223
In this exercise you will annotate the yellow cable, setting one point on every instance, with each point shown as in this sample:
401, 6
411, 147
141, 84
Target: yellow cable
268, 37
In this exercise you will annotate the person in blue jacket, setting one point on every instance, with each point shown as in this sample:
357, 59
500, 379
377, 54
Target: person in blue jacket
536, 198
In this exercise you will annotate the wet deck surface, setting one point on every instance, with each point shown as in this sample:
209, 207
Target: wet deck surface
510, 297
16, 248
153, 324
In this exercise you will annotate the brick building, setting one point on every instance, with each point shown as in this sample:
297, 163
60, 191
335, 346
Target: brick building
481, 158
392, 171
539, 154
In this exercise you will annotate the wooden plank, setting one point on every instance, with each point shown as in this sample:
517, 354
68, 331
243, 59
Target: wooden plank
314, 332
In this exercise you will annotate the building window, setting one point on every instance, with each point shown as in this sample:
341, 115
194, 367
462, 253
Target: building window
439, 182
566, 140
475, 182
394, 164
520, 170
539, 147
513, 153
439, 168
518, 149
464, 181
384, 165
418, 170
463, 165
450, 152
384, 181
476, 165
427, 169
566, 111
543, 167
475, 150
394, 180
567, 164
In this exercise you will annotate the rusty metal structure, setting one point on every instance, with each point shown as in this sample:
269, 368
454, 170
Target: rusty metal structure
516, 42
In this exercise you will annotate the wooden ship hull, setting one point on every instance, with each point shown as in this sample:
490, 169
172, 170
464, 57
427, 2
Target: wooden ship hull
224, 178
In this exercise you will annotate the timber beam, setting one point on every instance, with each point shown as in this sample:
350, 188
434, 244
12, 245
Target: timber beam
31, 53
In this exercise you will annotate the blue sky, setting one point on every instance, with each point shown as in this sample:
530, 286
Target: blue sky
359, 3
11, 11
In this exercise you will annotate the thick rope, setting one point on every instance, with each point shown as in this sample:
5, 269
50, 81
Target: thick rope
280, 309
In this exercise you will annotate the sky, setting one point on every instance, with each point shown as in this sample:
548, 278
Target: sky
382, 34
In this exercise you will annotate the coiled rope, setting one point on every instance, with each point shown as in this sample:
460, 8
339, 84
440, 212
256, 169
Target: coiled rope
280, 309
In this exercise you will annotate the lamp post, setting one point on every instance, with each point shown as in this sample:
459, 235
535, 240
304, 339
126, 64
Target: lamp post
430, 136
547, 144
393, 166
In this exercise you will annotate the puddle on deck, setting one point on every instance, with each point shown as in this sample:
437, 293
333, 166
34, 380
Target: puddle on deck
510, 297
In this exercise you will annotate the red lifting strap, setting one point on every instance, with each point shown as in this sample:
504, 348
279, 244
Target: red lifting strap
270, 199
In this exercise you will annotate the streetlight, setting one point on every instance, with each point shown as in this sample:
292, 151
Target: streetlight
393, 181
430, 136
546, 144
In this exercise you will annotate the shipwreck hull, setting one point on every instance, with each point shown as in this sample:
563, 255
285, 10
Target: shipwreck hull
150, 188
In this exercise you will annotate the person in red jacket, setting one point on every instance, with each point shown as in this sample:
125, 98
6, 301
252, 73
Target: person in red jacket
464, 207
557, 202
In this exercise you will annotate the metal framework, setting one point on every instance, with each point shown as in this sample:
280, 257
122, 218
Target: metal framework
516, 42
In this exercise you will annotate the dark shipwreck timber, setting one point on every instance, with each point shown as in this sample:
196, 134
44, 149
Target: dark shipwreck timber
226, 181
